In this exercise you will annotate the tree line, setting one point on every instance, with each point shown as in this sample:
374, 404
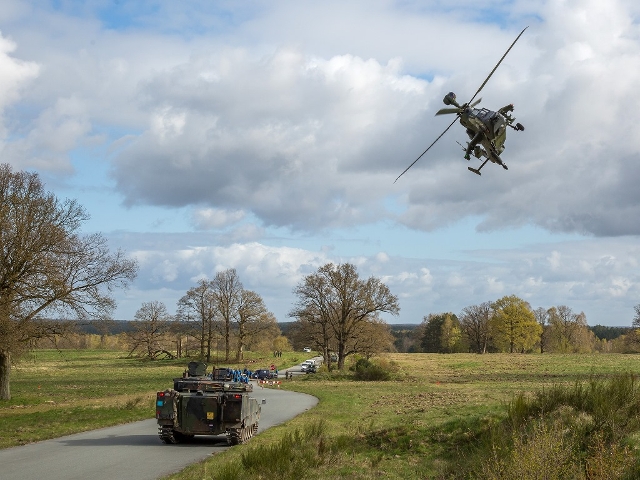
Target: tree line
49, 270
336, 313
214, 311
509, 324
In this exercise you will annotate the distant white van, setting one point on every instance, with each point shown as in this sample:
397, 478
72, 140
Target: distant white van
306, 350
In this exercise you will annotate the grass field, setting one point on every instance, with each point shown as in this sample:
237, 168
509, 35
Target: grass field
418, 425
54, 393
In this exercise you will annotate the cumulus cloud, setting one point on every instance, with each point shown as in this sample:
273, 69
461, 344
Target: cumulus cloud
574, 165
208, 218
308, 132
284, 136
424, 285
266, 121
13, 72
57, 131
14, 75
313, 142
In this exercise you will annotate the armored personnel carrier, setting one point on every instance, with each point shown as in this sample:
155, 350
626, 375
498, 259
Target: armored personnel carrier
201, 404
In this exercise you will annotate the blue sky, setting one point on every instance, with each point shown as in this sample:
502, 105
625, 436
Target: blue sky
266, 136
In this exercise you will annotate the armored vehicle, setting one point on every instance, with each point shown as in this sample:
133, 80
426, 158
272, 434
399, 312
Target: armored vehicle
201, 404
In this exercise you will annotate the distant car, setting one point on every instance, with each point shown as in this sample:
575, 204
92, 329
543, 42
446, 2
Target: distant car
306, 350
311, 369
264, 374
306, 364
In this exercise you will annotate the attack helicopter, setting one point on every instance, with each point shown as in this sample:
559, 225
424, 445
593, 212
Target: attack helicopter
487, 130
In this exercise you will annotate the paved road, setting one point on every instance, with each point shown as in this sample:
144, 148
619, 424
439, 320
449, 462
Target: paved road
296, 369
132, 450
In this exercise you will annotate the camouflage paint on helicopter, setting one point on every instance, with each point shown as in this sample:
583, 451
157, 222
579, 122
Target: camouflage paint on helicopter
487, 130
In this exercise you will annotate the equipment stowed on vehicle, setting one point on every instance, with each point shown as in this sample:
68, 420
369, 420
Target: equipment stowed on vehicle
206, 405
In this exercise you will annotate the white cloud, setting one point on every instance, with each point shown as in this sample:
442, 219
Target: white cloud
382, 257
310, 133
266, 126
554, 260
13, 72
423, 285
208, 218
283, 137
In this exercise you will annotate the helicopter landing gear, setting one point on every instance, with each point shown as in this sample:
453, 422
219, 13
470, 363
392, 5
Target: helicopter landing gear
472, 146
477, 170
518, 128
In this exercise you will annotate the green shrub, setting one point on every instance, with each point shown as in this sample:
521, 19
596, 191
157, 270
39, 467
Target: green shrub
573, 432
544, 452
368, 371
291, 457
613, 404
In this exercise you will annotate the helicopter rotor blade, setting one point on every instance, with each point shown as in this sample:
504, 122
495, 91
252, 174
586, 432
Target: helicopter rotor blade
497, 65
444, 111
434, 142
475, 103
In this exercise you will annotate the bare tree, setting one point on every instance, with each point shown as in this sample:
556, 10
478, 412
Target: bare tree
542, 317
223, 306
103, 326
311, 331
474, 322
152, 322
313, 312
373, 338
47, 269
198, 305
262, 333
636, 318
336, 296
568, 332
253, 318
228, 289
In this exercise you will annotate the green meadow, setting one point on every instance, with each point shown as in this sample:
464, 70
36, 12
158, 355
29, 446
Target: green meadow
440, 416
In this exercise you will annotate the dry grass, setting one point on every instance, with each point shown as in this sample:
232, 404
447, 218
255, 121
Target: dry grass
61, 392
429, 416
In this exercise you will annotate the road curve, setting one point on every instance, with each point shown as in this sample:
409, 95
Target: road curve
133, 450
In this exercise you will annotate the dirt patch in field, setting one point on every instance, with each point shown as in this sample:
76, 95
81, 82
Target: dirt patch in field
418, 402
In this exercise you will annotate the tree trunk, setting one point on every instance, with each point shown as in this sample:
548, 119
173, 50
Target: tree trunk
240, 350
341, 349
209, 340
227, 339
5, 374
203, 334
